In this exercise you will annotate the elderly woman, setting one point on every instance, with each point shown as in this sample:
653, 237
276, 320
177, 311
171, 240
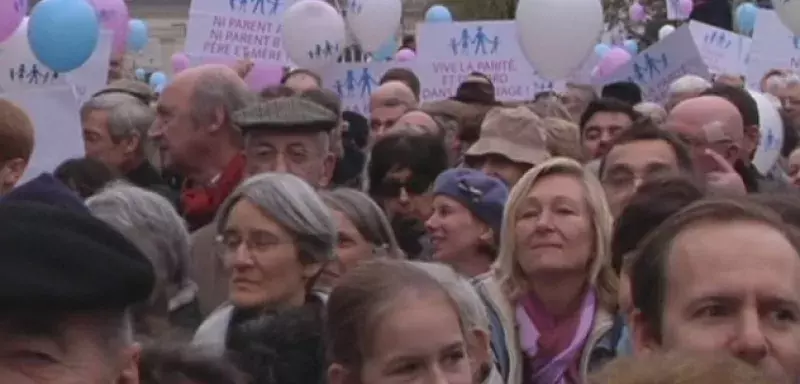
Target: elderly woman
363, 230
553, 292
277, 236
151, 223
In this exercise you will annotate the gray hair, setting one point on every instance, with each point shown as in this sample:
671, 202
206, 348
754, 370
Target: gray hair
688, 84
295, 206
127, 116
216, 89
151, 223
654, 111
471, 309
367, 217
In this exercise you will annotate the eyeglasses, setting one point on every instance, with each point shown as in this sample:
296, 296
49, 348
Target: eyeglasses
392, 188
255, 241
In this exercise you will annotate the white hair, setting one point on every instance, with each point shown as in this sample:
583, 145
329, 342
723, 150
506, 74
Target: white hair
471, 309
151, 223
688, 84
295, 206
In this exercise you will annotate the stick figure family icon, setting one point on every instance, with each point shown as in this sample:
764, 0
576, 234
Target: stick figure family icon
474, 42
32, 75
355, 83
648, 68
326, 49
717, 38
259, 6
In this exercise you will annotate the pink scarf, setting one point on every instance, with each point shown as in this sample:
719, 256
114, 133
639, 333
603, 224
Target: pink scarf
553, 348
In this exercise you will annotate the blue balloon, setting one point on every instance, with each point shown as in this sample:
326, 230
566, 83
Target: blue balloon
158, 78
385, 51
140, 74
746, 17
601, 49
632, 46
438, 14
63, 33
137, 35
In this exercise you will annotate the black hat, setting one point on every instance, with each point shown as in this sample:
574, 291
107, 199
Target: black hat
48, 190
286, 114
58, 259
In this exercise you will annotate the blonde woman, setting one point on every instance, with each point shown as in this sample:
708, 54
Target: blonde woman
552, 292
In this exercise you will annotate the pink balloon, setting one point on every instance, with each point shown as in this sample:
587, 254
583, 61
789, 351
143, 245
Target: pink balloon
113, 15
613, 60
179, 62
685, 7
405, 54
11, 14
263, 75
637, 12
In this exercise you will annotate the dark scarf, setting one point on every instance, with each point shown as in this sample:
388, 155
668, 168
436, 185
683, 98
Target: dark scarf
199, 203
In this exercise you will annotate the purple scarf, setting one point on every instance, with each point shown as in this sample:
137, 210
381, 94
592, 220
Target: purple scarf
553, 369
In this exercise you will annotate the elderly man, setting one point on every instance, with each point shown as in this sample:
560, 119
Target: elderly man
685, 87
16, 145
714, 130
195, 131
67, 287
387, 104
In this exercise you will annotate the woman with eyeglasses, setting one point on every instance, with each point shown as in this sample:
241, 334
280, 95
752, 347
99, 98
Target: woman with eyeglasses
277, 236
465, 224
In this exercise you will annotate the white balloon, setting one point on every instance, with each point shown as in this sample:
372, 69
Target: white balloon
556, 35
314, 34
770, 126
789, 13
665, 30
373, 22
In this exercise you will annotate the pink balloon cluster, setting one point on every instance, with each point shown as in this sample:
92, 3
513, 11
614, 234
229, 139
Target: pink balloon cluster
113, 16
613, 60
179, 62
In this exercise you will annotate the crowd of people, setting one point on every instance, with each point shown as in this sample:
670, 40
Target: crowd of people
214, 235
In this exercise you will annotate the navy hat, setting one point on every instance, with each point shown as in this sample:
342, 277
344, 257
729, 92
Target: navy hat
58, 259
485, 196
46, 189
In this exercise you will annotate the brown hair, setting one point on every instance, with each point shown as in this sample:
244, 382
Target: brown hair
16, 132
648, 267
361, 299
679, 368
563, 138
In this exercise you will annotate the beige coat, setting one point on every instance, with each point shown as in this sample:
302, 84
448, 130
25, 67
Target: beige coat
207, 269
491, 291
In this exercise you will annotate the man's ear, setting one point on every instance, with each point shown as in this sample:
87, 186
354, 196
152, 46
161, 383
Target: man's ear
328, 166
11, 172
338, 374
753, 133
129, 373
131, 143
644, 337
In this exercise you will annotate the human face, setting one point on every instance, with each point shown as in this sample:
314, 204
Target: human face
499, 166
301, 82
404, 196
701, 139
629, 165
264, 260
794, 167
600, 131
455, 232
790, 99
98, 144
302, 154
733, 287
553, 228
174, 130
352, 249
383, 118
74, 351
418, 340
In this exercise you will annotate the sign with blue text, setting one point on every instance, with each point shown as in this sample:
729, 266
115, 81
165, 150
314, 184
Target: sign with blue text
723, 51
774, 46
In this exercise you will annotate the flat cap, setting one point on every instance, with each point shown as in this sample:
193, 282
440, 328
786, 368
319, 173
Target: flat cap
58, 259
291, 113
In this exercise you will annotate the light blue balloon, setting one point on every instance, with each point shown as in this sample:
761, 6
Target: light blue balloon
746, 17
632, 46
137, 35
63, 33
438, 14
601, 49
140, 74
158, 78
385, 51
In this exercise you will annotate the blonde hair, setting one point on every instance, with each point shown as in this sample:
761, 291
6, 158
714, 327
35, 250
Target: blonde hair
550, 107
563, 138
679, 368
601, 275
654, 111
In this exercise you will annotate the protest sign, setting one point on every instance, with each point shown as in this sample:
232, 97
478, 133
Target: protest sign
244, 29
773, 46
662, 63
448, 52
354, 82
723, 51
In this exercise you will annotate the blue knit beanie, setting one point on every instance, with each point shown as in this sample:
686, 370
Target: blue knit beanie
484, 195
